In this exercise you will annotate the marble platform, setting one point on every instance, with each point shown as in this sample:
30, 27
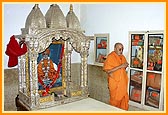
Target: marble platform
84, 105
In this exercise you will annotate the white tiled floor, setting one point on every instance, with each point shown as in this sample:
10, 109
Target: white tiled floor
132, 108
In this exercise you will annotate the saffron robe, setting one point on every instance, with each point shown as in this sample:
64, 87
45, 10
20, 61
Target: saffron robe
51, 72
117, 81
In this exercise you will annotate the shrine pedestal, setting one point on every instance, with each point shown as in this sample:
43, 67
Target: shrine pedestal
83, 105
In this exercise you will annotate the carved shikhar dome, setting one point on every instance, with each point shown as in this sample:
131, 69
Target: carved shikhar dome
55, 17
35, 18
72, 20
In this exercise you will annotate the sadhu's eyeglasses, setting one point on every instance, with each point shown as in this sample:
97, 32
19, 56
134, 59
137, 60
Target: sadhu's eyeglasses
121, 49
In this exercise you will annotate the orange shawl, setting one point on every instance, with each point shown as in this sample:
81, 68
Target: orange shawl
117, 80
51, 72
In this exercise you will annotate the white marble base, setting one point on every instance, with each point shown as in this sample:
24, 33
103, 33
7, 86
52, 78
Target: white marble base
84, 105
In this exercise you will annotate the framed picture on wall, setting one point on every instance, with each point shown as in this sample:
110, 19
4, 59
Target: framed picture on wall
101, 46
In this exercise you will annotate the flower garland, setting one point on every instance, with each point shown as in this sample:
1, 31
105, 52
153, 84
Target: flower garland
45, 69
47, 88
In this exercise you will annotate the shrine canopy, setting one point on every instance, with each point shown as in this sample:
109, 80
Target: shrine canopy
42, 30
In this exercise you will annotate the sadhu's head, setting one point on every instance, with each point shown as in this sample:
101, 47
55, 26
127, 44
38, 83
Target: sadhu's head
46, 53
118, 48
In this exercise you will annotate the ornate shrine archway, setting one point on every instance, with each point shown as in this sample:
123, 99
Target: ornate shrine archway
38, 39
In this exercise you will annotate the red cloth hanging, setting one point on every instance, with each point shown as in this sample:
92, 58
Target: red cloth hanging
14, 50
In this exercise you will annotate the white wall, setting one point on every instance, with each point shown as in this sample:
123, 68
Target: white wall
119, 19
115, 19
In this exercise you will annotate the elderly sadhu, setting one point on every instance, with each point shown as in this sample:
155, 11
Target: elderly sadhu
45, 67
115, 66
46, 72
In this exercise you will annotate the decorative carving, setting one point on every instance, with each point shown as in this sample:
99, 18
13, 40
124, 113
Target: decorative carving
35, 19
38, 38
76, 93
55, 17
49, 98
72, 20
